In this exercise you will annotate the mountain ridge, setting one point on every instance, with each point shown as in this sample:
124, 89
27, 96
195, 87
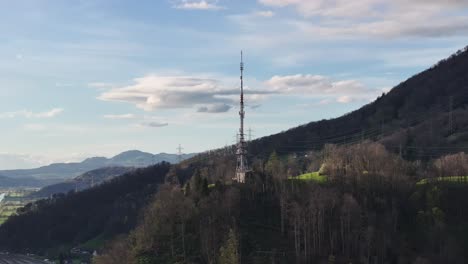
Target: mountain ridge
433, 95
131, 158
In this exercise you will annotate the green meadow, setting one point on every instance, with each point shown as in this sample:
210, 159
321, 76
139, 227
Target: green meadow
311, 176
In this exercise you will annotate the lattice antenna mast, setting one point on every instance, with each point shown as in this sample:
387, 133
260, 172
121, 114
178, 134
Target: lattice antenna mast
242, 166
179, 153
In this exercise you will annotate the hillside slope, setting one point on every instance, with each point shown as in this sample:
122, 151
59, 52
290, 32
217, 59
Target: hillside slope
82, 182
415, 114
69, 220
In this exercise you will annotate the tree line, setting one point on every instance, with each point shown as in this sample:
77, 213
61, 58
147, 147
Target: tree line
371, 209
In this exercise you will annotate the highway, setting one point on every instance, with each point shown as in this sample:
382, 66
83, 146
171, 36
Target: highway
19, 259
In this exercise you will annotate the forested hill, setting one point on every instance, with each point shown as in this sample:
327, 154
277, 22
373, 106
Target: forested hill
95, 214
82, 182
420, 105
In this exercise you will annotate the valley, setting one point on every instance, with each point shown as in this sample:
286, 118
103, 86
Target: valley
13, 199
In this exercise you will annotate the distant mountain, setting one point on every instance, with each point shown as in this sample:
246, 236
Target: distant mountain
133, 158
29, 182
82, 182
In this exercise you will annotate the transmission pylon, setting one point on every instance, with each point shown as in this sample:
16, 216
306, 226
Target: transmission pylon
250, 130
179, 153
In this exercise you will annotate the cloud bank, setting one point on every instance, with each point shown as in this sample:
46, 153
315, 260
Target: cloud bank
197, 5
377, 18
30, 114
205, 95
122, 116
172, 92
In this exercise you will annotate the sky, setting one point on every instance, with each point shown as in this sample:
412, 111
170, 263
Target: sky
95, 78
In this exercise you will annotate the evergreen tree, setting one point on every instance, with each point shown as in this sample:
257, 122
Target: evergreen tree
228, 253
273, 165
205, 190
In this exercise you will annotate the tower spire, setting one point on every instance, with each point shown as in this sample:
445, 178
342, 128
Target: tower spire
242, 166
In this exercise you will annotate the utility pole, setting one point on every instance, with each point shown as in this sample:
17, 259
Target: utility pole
179, 153
242, 166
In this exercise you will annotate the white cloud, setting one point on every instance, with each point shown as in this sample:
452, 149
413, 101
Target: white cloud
215, 108
318, 86
52, 113
363, 8
197, 5
154, 92
100, 85
344, 99
325, 8
29, 114
154, 124
265, 13
378, 18
208, 95
122, 116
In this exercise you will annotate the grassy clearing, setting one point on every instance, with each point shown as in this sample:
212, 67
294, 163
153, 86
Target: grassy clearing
453, 179
95, 243
312, 176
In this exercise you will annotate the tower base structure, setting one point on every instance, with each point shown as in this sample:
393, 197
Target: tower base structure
242, 177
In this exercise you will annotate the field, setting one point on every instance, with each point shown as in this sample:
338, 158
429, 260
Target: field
13, 200
312, 176
6, 210
454, 179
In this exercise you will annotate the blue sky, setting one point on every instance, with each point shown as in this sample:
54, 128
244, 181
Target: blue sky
85, 78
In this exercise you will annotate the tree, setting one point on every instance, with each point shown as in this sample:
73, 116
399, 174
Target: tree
228, 253
273, 166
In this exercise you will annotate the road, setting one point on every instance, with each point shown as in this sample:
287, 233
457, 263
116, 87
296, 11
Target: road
19, 259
